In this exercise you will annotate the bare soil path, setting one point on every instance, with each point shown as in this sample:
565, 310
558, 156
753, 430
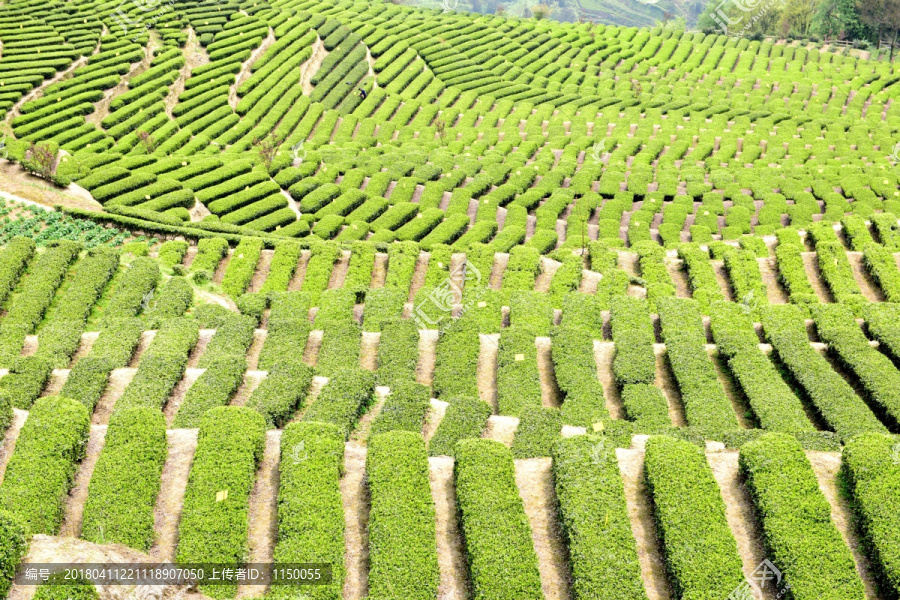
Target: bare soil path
450, 547
356, 521
167, 513
74, 510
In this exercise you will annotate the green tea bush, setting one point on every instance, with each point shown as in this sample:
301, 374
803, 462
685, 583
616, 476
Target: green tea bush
799, 535
42, 468
499, 549
343, 400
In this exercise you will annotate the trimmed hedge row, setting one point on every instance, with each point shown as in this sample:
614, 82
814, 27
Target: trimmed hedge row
42, 468
632, 332
773, 402
838, 274
398, 352
539, 427
466, 418
799, 535
404, 409
834, 399
456, 361
126, 480
310, 509
214, 519
501, 557
873, 476
880, 264
705, 405
792, 273
133, 289
402, 549
282, 393
13, 259
215, 387
572, 351
518, 377
875, 372
343, 400
241, 267
701, 553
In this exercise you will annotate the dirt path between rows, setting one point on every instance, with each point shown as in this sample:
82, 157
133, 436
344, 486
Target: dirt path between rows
101, 108
501, 429
548, 269
56, 382
722, 277
811, 264
826, 466
200, 347
769, 271
436, 411
169, 503
364, 425
863, 279
379, 270
339, 272
119, 379
604, 352
252, 380
297, 280
247, 67
368, 351
550, 395
589, 282
263, 514
675, 267
497, 270
732, 390
313, 343
256, 346
9, 441
643, 527
428, 339
739, 510
194, 56
262, 270
356, 522
665, 381
450, 547
486, 372
176, 398
310, 67
535, 482
74, 510
418, 278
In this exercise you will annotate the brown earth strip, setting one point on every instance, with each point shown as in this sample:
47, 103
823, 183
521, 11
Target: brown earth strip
169, 503
9, 440
339, 272
263, 515
356, 521
313, 343
665, 381
722, 277
643, 527
57, 380
427, 356
499, 266
827, 466
379, 270
74, 509
202, 342
262, 270
811, 264
84, 348
418, 279
501, 429
219, 275
863, 279
589, 282
535, 482
297, 280
256, 346
732, 390
115, 387
604, 352
548, 268
450, 547
364, 425
675, 267
550, 396
368, 352
252, 379
177, 397
436, 411
486, 372
739, 510
318, 382
143, 343
769, 272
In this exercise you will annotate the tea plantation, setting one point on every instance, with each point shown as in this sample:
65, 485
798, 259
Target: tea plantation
461, 306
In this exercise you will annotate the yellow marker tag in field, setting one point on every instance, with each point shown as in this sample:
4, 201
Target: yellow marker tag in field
482, 304
598, 426
520, 357
221, 496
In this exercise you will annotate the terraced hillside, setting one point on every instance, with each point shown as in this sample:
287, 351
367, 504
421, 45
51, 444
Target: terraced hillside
547, 311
